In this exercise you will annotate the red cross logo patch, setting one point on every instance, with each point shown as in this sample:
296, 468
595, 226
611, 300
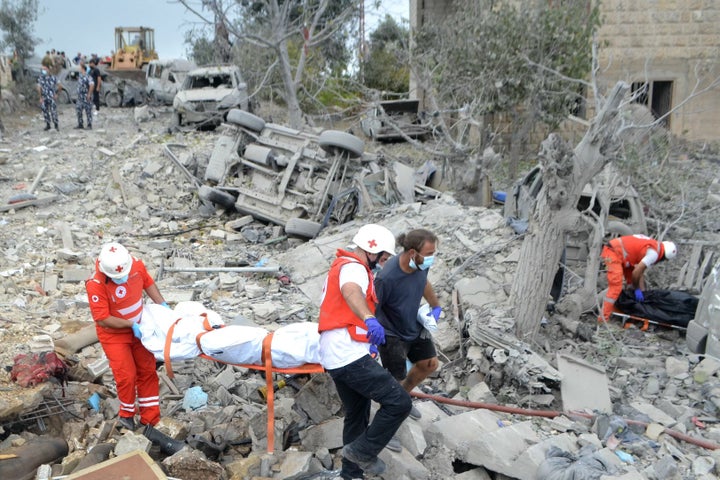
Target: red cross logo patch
372, 244
112, 249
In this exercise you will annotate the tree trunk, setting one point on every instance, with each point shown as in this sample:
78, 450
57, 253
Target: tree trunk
565, 173
291, 98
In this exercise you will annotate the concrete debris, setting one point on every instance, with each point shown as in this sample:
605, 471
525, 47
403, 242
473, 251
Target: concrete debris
113, 183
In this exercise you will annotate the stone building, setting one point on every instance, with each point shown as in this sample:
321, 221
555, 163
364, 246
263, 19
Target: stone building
669, 50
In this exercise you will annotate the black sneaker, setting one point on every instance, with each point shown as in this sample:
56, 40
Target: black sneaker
89, 127
57, 127
374, 466
127, 422
47, 127
79, 127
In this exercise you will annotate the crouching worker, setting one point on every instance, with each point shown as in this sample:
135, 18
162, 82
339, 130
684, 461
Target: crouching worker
115, 295
348, 328
629, 257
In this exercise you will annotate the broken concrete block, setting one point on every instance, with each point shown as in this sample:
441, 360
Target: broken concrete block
41, 343
50, 283
411, 437
474, 474
403, 465
677, 367
458, 429
226, 378
238, 223
326, 434
98, 367
295, 463
160, 243
131, 442
480, 392
253, 290
141, 114
136, 464
583, 385
655, 414
244, 468
152, 168
499, 450
217, 234
265, 312
76, 275
318, 398
190, 464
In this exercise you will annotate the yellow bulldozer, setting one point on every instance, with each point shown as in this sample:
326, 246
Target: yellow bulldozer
134, 48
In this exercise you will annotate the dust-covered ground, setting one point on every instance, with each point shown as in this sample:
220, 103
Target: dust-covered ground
115, 183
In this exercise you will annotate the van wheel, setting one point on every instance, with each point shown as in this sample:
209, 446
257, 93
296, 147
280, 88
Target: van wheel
245, 119
113, 100
63, 97
334, 142
301, 227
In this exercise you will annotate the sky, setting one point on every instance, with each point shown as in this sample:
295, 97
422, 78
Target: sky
88, 26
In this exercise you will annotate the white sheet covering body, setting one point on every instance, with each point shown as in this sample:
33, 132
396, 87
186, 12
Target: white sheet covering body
292, 345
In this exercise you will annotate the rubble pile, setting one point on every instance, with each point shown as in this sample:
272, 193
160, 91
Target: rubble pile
638, 399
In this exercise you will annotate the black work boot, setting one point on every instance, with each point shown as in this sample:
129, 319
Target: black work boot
79, 126
168, 445
47, 127
57, 127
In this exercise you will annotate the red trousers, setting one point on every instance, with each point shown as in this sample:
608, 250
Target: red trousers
133, 367
616, 271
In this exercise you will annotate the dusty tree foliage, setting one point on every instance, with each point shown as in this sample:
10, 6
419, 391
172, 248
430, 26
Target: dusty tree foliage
295, 35
516, 58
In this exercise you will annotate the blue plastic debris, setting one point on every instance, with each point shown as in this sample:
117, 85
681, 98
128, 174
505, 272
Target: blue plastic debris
195, 399
94, 402
499, 197
625, 457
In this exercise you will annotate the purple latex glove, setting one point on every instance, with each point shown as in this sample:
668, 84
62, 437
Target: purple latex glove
376, 332
639, 297
374, 351
436, 311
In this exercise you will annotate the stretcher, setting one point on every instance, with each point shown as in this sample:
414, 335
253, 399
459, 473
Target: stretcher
630, 320
266, 367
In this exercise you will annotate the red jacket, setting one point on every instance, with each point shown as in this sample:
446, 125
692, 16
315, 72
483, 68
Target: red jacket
124, 301
634, 247
334, 310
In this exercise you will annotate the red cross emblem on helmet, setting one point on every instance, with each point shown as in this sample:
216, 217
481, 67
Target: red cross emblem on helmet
112, 249
119, 268
372, 243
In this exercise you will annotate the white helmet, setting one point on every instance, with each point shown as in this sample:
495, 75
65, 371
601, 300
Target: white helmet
114, 260
375, 239
670, 250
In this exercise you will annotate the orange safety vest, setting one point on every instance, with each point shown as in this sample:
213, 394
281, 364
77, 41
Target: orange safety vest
334, 310
634, 247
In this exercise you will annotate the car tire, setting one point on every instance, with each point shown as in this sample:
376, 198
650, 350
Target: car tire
63, 97
332, 140
245, 119
301, 227
218, 197
113, 99
617, 229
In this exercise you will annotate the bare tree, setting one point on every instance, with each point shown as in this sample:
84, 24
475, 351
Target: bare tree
282, 22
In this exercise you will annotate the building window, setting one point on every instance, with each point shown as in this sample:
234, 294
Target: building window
656, 95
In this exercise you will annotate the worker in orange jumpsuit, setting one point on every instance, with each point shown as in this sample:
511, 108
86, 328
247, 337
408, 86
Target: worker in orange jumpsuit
629, 257
115, 294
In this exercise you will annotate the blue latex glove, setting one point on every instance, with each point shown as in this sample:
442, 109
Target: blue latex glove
639, 297
376, 332
164, 304
136, 331
436, 311
374, 351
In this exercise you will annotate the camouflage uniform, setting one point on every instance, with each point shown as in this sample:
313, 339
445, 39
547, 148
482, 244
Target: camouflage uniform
48, 88
83, 104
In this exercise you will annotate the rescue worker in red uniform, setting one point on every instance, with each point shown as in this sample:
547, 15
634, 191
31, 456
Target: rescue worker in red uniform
629, 257
115, 294
348, 328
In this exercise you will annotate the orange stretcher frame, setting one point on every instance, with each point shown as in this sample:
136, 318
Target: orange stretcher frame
266, 366
645, 323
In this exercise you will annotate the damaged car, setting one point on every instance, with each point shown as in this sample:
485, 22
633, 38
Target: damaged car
300, 180
114, 92
625, 211
207, 95
394, 120
164, 77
